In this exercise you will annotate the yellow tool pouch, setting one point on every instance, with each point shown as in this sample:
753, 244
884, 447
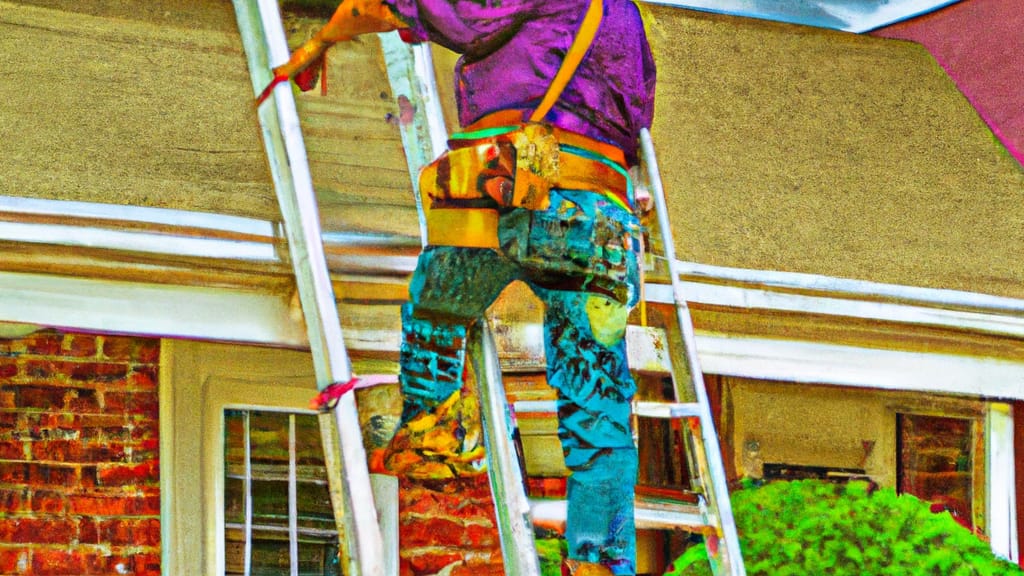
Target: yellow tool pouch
516, 169
537, 166
511, 168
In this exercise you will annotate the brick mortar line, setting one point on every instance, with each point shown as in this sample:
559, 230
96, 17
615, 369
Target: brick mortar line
75, 516
469, 552
471, 521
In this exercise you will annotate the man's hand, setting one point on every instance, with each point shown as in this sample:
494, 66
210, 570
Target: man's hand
307, 77
306, 66
352, 18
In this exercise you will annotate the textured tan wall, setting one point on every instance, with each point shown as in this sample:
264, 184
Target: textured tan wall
806, 150
784, 148
149, 110
150, 104
784, 423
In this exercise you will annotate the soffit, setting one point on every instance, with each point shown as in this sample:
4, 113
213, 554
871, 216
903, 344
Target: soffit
849, 15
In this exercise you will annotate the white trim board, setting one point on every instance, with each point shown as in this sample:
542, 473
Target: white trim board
1008, 322
137, 214
221, 314
1001, 507
138, 241
191, 312
813, 363
207, 313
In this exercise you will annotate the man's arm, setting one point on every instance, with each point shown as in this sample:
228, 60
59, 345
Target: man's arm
352, 18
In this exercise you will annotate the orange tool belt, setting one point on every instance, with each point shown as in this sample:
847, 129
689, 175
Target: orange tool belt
501, 162
512, 159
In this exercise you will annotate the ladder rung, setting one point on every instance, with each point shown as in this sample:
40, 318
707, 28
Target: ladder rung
666, 409
645, 409
648, 516
535, 407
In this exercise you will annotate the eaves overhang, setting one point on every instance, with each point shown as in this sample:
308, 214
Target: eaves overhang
856, 16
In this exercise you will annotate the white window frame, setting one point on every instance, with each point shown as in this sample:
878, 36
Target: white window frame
1001, 506
197, 383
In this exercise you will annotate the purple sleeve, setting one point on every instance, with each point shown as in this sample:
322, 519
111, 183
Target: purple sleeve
464, 26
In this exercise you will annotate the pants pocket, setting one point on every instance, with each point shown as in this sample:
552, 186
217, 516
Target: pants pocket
582, 237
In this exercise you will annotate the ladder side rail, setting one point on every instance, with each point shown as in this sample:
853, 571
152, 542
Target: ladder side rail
719, 497
411, 74
512, 508
265, 44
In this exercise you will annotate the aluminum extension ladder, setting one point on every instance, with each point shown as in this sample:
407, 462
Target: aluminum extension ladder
352, 489
412, 74
715, 519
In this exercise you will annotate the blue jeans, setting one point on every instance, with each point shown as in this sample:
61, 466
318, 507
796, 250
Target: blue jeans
579, 257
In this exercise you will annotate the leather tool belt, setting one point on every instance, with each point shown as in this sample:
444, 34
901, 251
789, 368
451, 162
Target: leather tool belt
502, 163
517, 166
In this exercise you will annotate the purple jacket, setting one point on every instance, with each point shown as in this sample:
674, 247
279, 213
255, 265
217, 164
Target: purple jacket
511, 49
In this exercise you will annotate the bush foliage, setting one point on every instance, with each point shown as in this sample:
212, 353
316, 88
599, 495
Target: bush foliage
552, 550
810, 527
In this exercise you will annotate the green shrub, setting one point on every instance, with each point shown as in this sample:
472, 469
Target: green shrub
551, 548
811, 527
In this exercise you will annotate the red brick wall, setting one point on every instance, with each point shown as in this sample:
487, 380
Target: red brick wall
446, 522
79, 459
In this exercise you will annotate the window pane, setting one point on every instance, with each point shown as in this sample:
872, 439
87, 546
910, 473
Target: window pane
267, 486
936, 462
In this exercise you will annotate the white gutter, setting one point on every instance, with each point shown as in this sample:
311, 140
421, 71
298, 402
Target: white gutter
861, 289
856, 16
135, 241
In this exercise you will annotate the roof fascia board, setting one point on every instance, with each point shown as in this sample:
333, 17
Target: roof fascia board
138, 241
137, 215
190, 312
832, 364
857, 16
921, 313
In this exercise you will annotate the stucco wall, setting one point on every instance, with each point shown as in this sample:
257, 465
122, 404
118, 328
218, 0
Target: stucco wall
785, 423
806, 150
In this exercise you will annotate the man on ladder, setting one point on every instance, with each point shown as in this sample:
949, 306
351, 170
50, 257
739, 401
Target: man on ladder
552, 96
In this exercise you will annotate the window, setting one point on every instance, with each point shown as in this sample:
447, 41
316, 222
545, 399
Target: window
205, 392
277, 510
936, 463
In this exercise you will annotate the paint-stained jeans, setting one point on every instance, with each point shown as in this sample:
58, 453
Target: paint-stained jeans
579, 257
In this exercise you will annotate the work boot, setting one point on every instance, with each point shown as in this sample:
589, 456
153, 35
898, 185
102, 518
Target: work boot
445, 442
